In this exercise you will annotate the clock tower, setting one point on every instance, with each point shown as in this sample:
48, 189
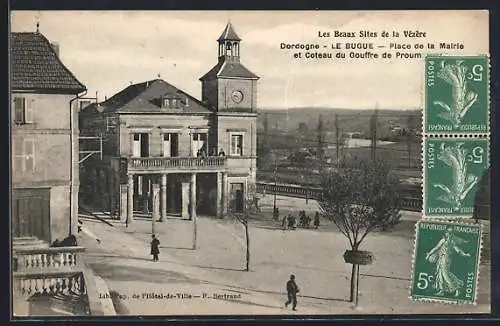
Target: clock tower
229, 86
229, 90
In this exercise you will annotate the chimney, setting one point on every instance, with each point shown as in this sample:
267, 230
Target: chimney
55, 48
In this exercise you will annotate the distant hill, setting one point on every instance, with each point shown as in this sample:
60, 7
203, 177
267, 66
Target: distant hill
350, 120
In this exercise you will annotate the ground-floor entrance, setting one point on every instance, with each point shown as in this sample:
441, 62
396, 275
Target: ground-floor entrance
31, 213
178, 194
160, 193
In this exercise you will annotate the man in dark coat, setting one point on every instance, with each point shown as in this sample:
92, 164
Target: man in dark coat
292, 289
155, 250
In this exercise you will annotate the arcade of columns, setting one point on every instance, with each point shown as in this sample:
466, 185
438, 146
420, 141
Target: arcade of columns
159, 195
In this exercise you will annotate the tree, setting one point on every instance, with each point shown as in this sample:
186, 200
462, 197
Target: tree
302, 130
263, 147
321, 138
249, 207
359, 199
410, 134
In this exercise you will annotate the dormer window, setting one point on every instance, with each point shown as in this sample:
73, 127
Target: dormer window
165, 103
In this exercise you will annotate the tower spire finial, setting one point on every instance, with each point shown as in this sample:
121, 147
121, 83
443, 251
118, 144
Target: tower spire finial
37, 26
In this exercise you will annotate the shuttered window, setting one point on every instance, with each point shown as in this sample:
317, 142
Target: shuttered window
23, 155
23, 110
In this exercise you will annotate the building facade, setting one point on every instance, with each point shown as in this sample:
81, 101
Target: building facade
165, 152
44, 143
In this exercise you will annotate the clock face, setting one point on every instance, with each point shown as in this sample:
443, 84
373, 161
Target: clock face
237, 96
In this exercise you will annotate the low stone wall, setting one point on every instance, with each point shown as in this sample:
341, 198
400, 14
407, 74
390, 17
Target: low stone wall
96, 287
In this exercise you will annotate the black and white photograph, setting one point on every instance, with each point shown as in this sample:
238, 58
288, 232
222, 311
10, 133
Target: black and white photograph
196, 163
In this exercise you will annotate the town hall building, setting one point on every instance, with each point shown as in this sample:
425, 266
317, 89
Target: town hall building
167, 153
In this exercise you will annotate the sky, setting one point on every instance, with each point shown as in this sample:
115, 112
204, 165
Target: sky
107, 51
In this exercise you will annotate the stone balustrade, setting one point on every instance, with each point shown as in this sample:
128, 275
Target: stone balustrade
48, 270
28, 284
186, 163
47, 259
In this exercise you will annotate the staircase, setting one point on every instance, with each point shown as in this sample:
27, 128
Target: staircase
28, 242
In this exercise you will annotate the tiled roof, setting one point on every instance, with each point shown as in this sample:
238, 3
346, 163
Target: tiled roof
229, 69
35, 66
146, 98
229, 34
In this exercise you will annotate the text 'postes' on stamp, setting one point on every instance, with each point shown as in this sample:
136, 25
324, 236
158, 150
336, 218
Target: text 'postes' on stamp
446, 262
456, 94
453, 170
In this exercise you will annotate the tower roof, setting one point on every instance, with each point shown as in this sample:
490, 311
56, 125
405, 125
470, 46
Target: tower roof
229, 34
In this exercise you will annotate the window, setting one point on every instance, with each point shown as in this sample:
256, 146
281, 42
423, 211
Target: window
23, 155
23, 112
167, 146
165, 103
199, 144
236, 145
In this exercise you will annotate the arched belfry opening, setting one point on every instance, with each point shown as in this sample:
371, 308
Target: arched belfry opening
229, 44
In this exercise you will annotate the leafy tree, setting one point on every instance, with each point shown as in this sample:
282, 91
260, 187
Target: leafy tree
359, 199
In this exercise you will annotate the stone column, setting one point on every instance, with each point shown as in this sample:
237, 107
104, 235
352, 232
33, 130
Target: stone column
163, 194
123, 202
156, 205
193, 196
185, 200
225, 193
130, 198
219, 195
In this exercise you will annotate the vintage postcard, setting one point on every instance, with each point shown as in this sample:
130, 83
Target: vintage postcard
237, 163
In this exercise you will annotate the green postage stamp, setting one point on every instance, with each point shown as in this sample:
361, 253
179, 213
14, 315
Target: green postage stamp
446, 262
456, 94
452, 172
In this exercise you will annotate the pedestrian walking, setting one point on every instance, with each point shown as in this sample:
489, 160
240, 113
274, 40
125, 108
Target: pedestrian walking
155, 250
292, 289
316, 220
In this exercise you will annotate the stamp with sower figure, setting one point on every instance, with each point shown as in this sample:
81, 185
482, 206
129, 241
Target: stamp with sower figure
456, 94
446, 262
452, 172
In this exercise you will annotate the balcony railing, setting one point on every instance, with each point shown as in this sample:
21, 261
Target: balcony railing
188, 163
48, 270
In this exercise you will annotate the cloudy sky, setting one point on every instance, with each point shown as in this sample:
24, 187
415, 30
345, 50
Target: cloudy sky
109, 50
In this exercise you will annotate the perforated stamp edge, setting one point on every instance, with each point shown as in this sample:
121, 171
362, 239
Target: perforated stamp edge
488, 99
425, 216
413, 262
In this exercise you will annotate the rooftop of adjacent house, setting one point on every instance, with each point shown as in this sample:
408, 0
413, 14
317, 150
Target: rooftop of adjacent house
147, 97
229, 69
36, 66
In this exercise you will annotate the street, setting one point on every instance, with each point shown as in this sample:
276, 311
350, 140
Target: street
314, 256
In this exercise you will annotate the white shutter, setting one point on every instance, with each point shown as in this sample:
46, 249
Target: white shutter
194, 144
17, 154
166, 145
136, 145
29, 155
30, 107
